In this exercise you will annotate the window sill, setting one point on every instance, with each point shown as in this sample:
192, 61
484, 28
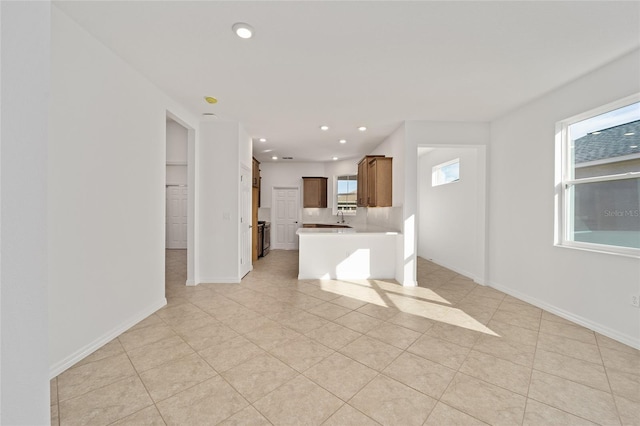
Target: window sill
629, 252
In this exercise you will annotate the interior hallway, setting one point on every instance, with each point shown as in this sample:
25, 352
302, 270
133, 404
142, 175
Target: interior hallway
275, 350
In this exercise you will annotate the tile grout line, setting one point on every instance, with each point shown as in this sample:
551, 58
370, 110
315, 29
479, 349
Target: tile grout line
615, 403
535, 352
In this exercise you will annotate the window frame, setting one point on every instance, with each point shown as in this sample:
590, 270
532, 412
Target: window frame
440, 167
336, 210
565, 181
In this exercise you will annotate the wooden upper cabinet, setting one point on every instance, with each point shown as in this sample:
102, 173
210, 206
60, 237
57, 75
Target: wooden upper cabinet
256, 174
314, 192
374, 181
363, 174
380, 182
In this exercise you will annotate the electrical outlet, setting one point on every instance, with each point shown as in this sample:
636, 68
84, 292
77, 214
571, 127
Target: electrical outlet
635, 300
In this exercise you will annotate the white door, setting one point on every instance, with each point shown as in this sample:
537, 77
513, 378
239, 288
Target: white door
245, 222
283, 230
176, 232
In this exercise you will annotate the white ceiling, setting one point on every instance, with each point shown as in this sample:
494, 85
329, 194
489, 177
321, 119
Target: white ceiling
352, 63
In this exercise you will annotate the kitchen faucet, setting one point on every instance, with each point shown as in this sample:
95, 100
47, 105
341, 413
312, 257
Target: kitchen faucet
341, 212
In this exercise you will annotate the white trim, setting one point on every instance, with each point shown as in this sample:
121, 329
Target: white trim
190, 283
621, 103
219, 280
334, 206
87, 350
565, 181
601, 248
435, 172
467, 274
622, 176
626, 339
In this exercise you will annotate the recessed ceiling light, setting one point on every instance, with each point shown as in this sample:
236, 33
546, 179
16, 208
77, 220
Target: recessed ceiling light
343, 141
325, 128
335, 158
274, 158
629, 133
267, 150
263, 140
211, 100
242, 30
362, 128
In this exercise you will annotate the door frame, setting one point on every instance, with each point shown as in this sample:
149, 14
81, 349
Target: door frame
273, 211
246, 263
192, 231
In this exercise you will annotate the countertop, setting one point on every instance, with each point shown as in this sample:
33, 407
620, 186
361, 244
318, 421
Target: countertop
354, 230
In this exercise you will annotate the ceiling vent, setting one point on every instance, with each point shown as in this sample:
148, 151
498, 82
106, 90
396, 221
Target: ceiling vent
287, 158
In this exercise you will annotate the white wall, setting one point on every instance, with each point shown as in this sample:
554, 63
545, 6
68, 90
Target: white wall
590, 288
177, 175
442, 134
176, 143
220, 147
106, 242
24, 80
245, 145
177, 152
286, 174
447, 226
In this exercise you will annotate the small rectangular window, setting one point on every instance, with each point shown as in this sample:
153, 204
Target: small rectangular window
445, 173
600, 185
347, 194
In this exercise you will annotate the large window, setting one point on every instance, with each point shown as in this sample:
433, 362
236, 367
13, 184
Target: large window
600, 179
347, 194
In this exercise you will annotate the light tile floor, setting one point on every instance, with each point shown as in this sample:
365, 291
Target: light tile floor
275, 350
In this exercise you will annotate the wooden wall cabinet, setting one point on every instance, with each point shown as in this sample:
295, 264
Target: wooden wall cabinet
255, 203
255, 178
314, 192
256, 174
374, 181
380, 182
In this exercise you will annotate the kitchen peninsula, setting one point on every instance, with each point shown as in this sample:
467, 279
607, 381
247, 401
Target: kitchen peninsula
358, 252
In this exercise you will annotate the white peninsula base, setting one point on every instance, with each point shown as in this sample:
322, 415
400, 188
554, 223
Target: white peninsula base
347, 253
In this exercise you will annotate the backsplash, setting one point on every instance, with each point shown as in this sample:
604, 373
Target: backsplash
315, 215
386, 217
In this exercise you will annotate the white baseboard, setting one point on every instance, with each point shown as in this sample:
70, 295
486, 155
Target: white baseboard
234, 280
410, 283
467, 274
599, 328
190, 282
87, 350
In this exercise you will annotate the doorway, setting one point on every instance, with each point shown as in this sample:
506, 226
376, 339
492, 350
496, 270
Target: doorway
176, 217
179, 186
452, 208
286, 207
246, 222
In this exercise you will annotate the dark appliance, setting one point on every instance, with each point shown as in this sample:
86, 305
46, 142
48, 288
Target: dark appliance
260, 237
264, 238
